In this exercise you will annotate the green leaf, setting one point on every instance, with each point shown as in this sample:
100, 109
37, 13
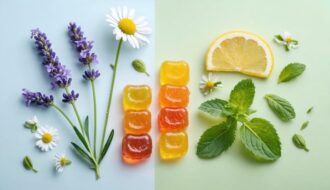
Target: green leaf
310, 109
27, 163
86, 128
299, 142
241, 97
281, 107
279, 37
260, 137
291, 71
106, 146
82, 153
304, 125
217, 139
81, 138
216, 108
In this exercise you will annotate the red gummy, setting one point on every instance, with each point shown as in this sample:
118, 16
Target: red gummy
172, 119
136, 148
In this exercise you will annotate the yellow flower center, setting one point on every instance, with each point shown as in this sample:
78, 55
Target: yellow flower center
289, 39
209, 85
63, 161
127, 26
47, 138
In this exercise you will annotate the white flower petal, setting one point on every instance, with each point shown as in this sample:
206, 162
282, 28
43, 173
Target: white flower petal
131, 13
141, 37
285, 35
119, 12
125, 12
144, 30
139, 20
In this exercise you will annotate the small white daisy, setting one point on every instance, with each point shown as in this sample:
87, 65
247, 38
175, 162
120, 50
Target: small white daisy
47, 139
208, 84
60, 162
285, 39
127, 27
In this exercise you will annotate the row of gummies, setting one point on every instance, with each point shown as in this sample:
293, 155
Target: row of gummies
172, 117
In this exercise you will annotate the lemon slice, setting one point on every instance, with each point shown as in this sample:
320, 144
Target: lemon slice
241, 52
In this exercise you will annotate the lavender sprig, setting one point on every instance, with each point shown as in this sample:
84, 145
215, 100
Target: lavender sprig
37, 98
87, 58
70, 97
91, 74
58, 73
82, 45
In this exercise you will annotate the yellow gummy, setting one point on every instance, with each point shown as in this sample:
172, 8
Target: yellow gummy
136, 97
174, 72
173, 145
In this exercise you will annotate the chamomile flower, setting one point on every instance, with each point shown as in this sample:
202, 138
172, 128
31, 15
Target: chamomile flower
60, 162
208, 84
285, 39
46, 138
127, 27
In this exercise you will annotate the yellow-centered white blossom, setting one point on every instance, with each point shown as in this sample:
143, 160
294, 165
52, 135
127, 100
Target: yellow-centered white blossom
46, 138
61, 161
208, 84
285, 39
127, 27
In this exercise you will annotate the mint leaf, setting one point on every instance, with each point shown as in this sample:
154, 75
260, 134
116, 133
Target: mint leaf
281, 107
291, 71
299, 142
260, 137
217, 139
241, 97
216, 108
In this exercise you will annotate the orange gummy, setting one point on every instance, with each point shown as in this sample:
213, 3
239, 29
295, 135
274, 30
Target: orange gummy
172, 119
173, 145
136, 148
136, 97
173, 96
175, 73
137, 122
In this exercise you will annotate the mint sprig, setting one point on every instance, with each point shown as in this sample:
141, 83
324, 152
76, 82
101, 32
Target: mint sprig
258, 135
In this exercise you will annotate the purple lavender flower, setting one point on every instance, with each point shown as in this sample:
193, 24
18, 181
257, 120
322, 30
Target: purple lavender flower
37, 98
81, 44
70, 97
91, 74
59, 75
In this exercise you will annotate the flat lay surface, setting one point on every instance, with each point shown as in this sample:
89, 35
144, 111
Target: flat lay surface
182, 32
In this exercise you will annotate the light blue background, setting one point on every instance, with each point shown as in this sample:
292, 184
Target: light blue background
22, 69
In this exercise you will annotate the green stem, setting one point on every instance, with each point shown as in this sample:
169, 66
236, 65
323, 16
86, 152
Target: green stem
76, 112
63, 114
95, 114
110, 94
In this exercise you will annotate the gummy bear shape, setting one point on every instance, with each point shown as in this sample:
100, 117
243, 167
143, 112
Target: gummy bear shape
136, 148
175, 73
173, 145
136, 97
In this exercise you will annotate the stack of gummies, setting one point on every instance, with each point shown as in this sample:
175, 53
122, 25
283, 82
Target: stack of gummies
173, 115
137, 144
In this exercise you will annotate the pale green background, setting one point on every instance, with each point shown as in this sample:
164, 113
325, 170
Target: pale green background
184, 31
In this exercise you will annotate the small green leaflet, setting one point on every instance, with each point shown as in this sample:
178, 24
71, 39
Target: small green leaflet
217, 139
215, 108
260, 137
241, 97
304, 125
291, 71
27, 163
300, 142
310, 109
281, 107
